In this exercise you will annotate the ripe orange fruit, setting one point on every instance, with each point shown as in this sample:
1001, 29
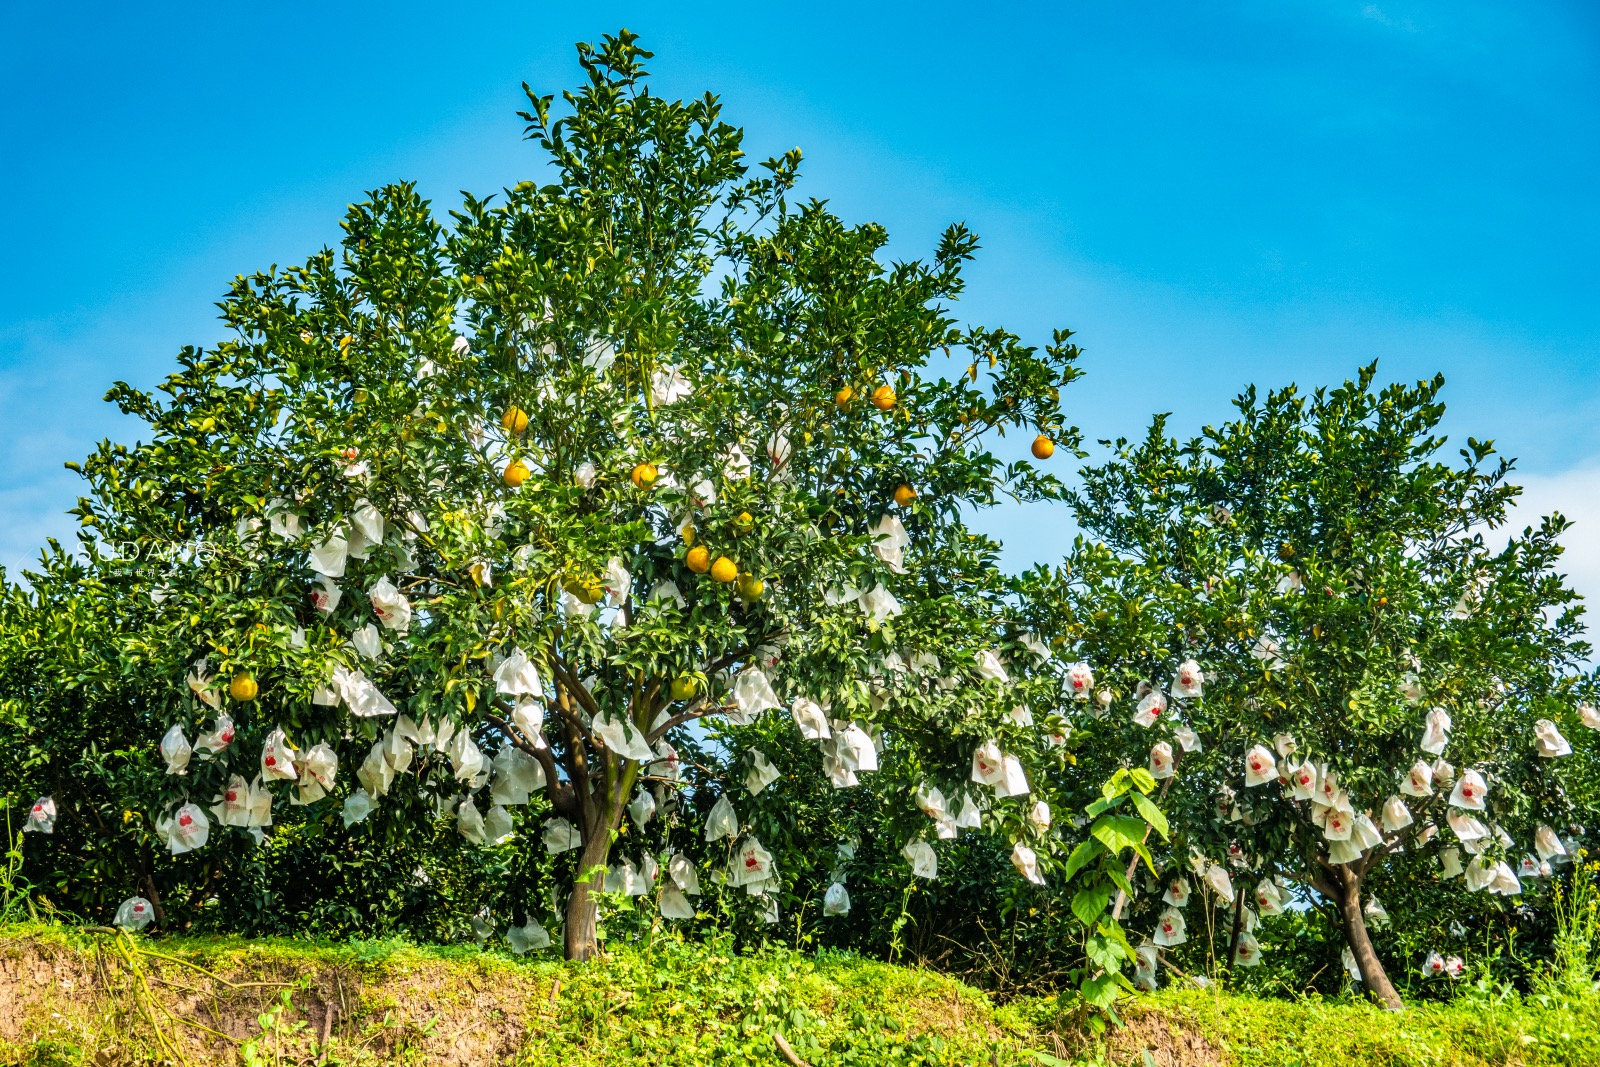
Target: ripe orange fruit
515, 474
883, 398
843, 396
904, 495
1043, 447
698, 559
243, 688
724, 569
644, 475
515, 420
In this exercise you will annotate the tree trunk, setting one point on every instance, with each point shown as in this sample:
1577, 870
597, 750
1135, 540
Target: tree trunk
579, 936
1238, 928
1354, 923
148, 881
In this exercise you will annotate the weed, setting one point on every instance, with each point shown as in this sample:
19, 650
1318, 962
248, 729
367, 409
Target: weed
16, 895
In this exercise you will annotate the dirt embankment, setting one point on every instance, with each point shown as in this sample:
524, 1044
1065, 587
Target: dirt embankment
69, 996
106, 1000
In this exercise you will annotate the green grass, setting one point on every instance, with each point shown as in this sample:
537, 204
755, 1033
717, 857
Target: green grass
71, 997
1250, 1032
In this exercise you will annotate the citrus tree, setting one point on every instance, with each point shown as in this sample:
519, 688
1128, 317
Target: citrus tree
1365, 665
464, 516
68, 721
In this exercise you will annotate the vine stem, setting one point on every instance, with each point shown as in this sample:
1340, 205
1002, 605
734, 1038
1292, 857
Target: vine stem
144, 1000
1133, 864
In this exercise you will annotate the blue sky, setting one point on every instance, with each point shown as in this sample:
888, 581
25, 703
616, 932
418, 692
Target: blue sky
1209, 194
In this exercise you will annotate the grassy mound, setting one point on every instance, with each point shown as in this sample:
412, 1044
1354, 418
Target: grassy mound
1198, 1028
76, 997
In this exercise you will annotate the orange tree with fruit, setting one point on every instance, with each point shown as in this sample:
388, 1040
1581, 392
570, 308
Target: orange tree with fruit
463, 513
1379, 693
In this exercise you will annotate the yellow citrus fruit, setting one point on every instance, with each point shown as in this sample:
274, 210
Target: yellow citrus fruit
724, 569
751, 588
1043, 447
516, 473
644, 475
243, 688
904, 495
883, 398
698, 559
684, 687
687, 533
585, 589
515, 420
744, 522
842, 397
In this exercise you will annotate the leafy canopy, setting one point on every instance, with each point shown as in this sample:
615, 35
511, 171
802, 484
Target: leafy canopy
650, 426
1337, 579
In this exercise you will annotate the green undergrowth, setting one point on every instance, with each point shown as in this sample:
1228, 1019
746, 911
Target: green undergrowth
1198, 1027
1468, 1031
71, 997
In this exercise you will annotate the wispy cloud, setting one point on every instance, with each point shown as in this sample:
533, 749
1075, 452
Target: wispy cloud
1575, 493
1376, 14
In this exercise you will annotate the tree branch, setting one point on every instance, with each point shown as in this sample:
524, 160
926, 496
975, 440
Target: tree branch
577, 760
698, 710
561, 793
577, 688
788, 1052
1323, 885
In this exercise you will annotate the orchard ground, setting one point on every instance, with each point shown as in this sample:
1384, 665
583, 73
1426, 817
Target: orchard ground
74, 996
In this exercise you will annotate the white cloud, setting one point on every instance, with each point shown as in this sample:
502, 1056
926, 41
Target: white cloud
1376, 14
1575, 493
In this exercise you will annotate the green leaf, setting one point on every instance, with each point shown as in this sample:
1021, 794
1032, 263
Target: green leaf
1105, 953
1143, 780
1088, 904
1101, 991
1101, 806
1109, 928
1118, 832
1084, 853
1152, 815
